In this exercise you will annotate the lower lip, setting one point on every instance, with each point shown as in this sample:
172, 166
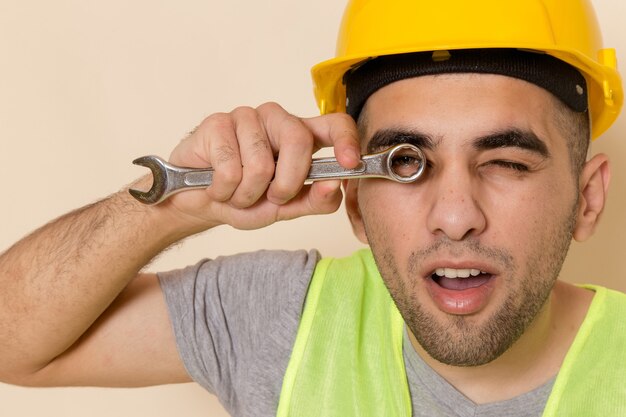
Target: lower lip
460, 302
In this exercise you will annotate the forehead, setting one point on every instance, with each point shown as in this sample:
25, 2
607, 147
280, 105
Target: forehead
462, 106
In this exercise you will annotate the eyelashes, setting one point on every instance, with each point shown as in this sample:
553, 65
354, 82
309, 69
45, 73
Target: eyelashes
515, 166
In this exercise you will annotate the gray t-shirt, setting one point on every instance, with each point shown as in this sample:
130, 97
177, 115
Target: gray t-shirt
235, 320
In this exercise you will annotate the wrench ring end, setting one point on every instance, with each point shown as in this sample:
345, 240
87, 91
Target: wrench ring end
420, 157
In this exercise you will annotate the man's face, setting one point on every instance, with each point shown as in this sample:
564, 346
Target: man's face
497, 203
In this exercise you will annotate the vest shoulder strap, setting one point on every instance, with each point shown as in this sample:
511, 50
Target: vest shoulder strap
347, 358
592, 379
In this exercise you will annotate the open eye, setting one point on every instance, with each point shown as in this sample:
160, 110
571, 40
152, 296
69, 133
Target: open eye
406, 163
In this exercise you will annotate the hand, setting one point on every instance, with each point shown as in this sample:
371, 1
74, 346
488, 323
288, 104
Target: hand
250, 190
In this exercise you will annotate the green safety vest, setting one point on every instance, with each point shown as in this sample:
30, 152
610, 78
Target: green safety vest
347, 359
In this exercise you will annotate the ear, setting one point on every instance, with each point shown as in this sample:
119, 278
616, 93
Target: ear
352, 207
594, 184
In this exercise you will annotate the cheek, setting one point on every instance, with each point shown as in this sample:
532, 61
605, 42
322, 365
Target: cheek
394, 219
522, 219
529, 218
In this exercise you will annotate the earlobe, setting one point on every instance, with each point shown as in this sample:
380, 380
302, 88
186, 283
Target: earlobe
594, 183
352, 207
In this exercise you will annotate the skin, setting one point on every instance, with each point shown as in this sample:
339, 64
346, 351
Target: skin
510, 210
94, 319
75, 308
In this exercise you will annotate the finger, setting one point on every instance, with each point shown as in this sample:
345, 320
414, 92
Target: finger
339, 131
191, 151
256, 157
293, 142
224, 157
322, 197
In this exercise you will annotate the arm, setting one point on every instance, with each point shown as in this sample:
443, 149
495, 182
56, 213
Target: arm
74, 309
57, 282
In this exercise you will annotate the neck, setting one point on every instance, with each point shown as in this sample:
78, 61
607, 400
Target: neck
532, 361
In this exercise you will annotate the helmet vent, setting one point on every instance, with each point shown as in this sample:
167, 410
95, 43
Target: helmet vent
440, 56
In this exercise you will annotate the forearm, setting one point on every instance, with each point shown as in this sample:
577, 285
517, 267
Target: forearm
56, 282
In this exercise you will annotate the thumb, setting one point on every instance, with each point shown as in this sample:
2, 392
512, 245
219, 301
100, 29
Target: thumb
340, 131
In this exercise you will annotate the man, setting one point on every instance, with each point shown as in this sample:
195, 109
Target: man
469, 255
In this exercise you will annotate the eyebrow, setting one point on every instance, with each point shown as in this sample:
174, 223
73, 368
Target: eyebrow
509, 138
387, 138
513, 138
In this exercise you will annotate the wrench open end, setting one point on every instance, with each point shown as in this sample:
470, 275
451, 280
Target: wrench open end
157, 192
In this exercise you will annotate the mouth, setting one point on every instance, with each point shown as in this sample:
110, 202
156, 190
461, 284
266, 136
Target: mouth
460, 279
460, 291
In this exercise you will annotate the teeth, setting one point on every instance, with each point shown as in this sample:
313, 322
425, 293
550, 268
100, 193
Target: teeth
457, 273
463, 273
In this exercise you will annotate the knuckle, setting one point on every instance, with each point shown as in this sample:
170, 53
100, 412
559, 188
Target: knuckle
225, 185
283, 191
243, 111
324, 204
270, 106
341, 122
294, 132
259, 145
245, 199
224, 154
217, 121
228, 186
344, 118
348, 128
290, 121
344, 123
271, 114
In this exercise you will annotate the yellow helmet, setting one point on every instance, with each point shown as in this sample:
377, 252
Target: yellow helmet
565, 29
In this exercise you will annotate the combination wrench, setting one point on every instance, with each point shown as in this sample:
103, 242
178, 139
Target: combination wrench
403, 163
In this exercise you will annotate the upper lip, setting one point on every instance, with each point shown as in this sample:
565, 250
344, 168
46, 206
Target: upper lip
431, 266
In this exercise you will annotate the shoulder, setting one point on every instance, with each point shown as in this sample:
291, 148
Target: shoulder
265, 262
235, 270
235, 319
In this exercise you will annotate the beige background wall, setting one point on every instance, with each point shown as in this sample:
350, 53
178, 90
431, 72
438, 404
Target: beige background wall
87, 86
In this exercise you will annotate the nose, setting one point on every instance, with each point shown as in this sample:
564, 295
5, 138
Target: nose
455, 210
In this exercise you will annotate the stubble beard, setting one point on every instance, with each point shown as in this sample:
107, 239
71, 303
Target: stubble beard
457, 340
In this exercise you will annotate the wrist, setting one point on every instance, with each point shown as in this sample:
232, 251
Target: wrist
164, 221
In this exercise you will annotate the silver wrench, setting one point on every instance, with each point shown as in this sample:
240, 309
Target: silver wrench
402, 163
